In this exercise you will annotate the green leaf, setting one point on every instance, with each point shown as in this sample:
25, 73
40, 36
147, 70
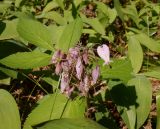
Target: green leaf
125, 99
135, 53
155, 74
4, 6
158, 110
57, 106
9, 114
71, 35
120, 69
95, 24
17, 3
55, 16
26, 60
67, 123
9, 31
35, 32
148, 42
143, 89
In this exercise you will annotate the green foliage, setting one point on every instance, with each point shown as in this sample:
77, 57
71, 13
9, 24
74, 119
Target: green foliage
71, 35
58, 106
26, 60
158, 110
30, 33
9, 114
34, 32
68, 123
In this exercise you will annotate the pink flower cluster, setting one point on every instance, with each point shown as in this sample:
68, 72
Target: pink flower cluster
72, 68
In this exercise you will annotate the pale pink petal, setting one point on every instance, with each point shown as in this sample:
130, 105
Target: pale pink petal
79, 68
104, 53
95, 74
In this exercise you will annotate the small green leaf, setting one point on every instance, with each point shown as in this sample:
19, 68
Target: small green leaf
71, 35
148, 42
35, 32
9, 72
9, 31
60, 3
95, 24
135, 53
68, 123
9, 114
154, 74
5, 81
56, 17
51, 5
118, 8
26, 60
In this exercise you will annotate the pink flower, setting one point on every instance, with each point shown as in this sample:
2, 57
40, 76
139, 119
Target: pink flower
64, 82
95, 74
103, 52
85, 56
79, 68
58, 68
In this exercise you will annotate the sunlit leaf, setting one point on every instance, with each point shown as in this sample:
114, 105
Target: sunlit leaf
67, 123
35, 32
9, 114
71, 35
26, 60
135, 54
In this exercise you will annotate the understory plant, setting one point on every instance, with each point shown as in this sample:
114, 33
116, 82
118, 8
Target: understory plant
94, 55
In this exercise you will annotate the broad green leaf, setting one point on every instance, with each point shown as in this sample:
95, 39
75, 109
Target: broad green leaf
26, 60
9, 31
135, 54
68, 123
56, 17
125, 99
71, 35
51, 5
35, 32
143, 90
148, 42
9, 114
95, 24
57, 106
158, 110
120, 69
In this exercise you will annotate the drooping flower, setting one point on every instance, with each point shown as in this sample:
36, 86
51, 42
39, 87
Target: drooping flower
57, 54
85, 56
95, 75
79, 68
64, 82
58, 68
104, 53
